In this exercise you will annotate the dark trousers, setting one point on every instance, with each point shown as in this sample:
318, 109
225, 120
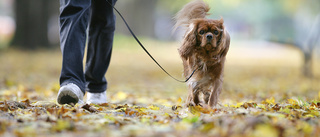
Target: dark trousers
79, 19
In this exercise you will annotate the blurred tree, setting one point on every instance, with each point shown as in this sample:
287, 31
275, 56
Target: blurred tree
308, 47
300, 28
32, 18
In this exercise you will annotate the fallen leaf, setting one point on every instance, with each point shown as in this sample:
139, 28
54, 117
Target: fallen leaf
89, 108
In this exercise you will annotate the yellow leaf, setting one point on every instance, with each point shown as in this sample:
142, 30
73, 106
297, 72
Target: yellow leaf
308, 115
292, 101
121, 95
262, 106
142, 109
207, 127
270, 100
110, 118
9, 83
205, 110
145, 120
166, 114
153, 107
180, 100
306, 128
25, 131
61, 125
194, 111
55, 87
265, 130
191, 119
285, 110
314, 113
237, 105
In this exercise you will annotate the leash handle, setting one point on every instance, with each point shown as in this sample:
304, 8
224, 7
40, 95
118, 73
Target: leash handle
141, 45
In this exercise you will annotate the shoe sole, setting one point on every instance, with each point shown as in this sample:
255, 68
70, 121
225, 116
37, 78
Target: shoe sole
67, 97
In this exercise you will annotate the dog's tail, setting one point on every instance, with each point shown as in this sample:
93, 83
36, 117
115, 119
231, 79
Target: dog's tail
193, 10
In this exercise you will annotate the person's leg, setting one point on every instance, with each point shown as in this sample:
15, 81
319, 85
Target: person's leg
101, 31
74, 17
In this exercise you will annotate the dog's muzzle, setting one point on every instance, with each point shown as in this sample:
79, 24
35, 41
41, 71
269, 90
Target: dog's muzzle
209, 37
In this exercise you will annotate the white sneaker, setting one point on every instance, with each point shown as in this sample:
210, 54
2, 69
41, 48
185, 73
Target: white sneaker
70, 93
97, 98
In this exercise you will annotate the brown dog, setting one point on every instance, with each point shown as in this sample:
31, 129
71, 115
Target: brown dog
204, 49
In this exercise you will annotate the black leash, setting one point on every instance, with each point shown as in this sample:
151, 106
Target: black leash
141, 45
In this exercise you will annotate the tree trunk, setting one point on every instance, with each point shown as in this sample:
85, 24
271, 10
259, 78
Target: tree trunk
31, 23
307, 66
312, 42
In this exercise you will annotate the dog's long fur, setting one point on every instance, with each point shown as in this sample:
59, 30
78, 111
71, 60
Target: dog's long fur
204, 49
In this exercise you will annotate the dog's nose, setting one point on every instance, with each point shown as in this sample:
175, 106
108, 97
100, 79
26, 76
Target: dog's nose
209, 36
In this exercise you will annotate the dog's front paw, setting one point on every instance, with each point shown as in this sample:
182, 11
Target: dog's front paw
190, 103
203, 105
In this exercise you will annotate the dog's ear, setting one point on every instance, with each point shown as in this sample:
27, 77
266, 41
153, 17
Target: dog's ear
221, 21
189, 41
225, 42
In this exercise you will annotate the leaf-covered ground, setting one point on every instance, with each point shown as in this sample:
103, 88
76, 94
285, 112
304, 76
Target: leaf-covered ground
264, 95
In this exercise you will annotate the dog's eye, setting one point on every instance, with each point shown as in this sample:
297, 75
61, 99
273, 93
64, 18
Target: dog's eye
201, 32
215, 32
